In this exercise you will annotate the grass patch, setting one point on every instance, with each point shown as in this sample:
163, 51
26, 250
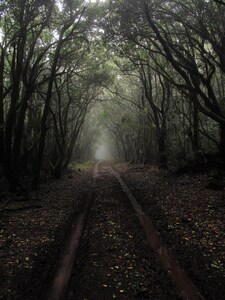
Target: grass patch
81, 166
120, 164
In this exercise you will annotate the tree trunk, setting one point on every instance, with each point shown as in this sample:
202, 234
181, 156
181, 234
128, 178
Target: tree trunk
163, 160
2, 61
195, 135
38, 162
9, 125
16, 72
222, 143
19, 131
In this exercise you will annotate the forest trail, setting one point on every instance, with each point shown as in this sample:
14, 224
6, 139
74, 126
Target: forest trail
122, 253
138, 82
115, 260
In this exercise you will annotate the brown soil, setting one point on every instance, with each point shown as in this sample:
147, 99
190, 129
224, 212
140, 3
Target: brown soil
33, 229
114, 260
190, 219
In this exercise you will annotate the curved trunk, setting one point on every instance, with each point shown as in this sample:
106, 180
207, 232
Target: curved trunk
38, 162
19, 131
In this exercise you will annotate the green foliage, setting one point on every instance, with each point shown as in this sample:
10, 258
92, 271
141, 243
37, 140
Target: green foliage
147, 75
81, 166
104, 114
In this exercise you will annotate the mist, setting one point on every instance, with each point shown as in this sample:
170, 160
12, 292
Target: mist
103, 152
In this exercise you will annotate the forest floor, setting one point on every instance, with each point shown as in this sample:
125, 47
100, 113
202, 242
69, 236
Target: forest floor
114, 259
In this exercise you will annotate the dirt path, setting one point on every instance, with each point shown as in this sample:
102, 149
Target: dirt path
115, 260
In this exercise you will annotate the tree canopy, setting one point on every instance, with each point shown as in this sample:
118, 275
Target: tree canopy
146, 75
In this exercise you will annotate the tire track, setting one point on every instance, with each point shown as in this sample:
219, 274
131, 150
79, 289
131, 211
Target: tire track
111, 259
185, 287
114, 260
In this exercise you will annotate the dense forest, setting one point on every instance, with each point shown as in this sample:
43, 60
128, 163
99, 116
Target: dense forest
144, 77
112, 149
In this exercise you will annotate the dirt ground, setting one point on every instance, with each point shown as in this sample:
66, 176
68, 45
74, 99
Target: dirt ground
114, 259
190, 219
33, 229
